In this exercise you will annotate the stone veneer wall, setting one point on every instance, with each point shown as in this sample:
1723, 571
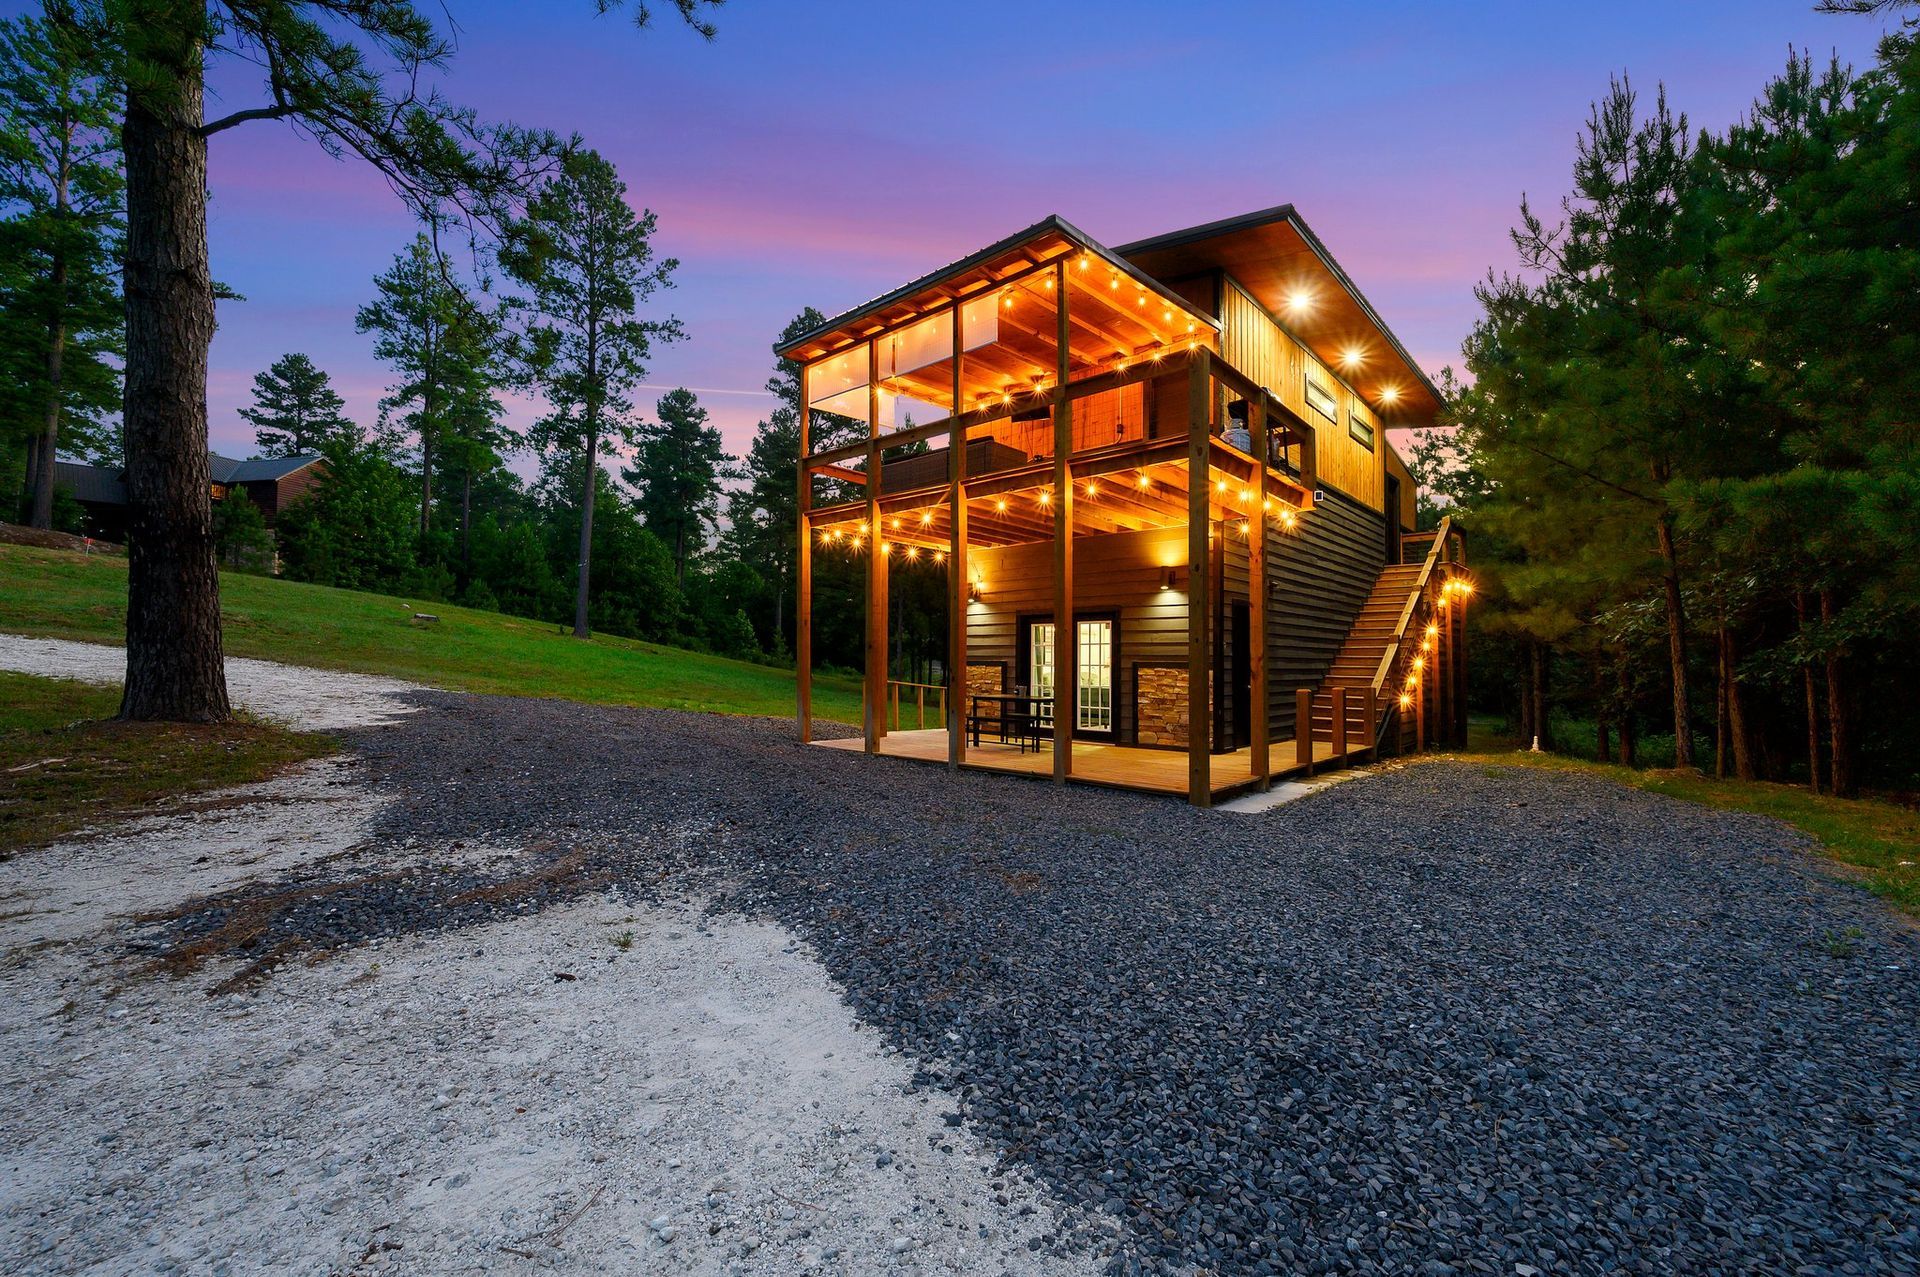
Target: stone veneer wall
1160, 706
983, 679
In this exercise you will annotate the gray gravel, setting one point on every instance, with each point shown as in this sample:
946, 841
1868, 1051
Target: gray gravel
1454, 1018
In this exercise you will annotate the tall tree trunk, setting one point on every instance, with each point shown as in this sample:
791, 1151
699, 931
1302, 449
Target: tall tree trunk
1839, 717
466, 526
1720, 704
1810, 686
176, 668
1602, 719
42, 515
1542, 717
1627, 758
1739, 731
580, 629
1526, 709
1676, 641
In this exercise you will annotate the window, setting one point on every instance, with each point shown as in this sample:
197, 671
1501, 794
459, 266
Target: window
1359, 427
1320, 399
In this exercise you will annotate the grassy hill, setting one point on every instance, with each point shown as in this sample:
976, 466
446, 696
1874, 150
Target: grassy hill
60, 594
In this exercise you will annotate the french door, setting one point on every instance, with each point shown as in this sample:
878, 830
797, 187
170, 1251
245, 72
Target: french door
1094, 645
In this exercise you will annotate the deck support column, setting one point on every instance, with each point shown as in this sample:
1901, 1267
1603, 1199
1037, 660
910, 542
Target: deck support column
1459, 610
1066, 658
1303, 729
958, 577
1443, 666
875, 707
1338, 722
1257, 591
1199, 582
803, 577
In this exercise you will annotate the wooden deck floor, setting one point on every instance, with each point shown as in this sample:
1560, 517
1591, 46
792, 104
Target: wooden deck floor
1162, 771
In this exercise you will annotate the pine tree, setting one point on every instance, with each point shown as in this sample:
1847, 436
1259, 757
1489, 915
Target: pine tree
677, 469
442, 347
586, 261
295, 410
359, 78
61, 195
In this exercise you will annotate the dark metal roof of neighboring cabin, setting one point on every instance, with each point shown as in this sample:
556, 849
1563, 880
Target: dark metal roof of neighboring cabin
106, 485
258, 470
95, 485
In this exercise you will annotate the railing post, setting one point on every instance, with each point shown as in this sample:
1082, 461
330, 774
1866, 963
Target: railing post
1373, 721
920, 704
1339, 722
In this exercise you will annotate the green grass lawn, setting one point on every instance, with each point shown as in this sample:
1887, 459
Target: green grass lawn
58, 594
1880, 840
65, 765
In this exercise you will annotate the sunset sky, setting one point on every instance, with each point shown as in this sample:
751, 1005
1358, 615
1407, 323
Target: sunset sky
819, 153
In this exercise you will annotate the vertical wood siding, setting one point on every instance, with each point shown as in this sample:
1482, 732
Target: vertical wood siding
1260, 348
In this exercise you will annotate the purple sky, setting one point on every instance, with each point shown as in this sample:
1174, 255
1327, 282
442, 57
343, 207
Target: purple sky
820, 153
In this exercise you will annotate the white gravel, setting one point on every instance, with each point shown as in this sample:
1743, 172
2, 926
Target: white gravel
317, 700
695, 1099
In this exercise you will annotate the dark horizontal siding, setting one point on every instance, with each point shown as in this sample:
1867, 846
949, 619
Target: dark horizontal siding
1322, 573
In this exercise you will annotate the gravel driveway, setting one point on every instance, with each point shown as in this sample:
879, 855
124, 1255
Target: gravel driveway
1453, 1018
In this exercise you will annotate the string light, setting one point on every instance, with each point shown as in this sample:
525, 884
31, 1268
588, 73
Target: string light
1001, 505
1046, 496
1144, 481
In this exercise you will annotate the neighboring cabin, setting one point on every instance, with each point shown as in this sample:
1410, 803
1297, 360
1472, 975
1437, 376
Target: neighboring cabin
272, 483
1180, 549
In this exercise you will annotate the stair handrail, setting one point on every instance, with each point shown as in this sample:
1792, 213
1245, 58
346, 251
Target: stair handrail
1414, 594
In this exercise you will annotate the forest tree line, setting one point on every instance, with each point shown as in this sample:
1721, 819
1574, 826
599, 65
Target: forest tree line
1688, 445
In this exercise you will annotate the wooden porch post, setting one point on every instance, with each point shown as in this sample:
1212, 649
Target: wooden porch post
1338, 722
803, 578
1199, 581
1443, 666
1257, 589
958, 578
876, 655
1066, 660
1420, 694
1303, 728
1459, 610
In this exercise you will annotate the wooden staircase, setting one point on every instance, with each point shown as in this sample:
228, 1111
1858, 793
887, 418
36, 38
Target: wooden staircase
1400, 673
1367, 644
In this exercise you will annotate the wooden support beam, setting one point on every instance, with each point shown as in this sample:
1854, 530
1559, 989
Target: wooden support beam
1338, 722
1303, 729
803, 579
1442, 664
1372, 740
1257, 592
1199, 581
958, 576
1420, 711
874, 713
1066, 660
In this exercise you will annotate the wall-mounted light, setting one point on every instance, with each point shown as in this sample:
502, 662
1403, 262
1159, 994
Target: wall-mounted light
973, 591
1167, 579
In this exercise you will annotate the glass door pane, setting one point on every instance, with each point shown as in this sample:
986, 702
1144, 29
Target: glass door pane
1040, 661
1096, 676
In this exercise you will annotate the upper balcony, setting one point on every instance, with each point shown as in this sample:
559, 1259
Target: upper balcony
981, 339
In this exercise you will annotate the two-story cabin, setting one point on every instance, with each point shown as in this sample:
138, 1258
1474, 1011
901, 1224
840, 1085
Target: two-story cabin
1180, 549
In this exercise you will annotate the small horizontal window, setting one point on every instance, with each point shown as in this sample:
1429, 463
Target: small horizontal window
1360, 429
1320, 399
